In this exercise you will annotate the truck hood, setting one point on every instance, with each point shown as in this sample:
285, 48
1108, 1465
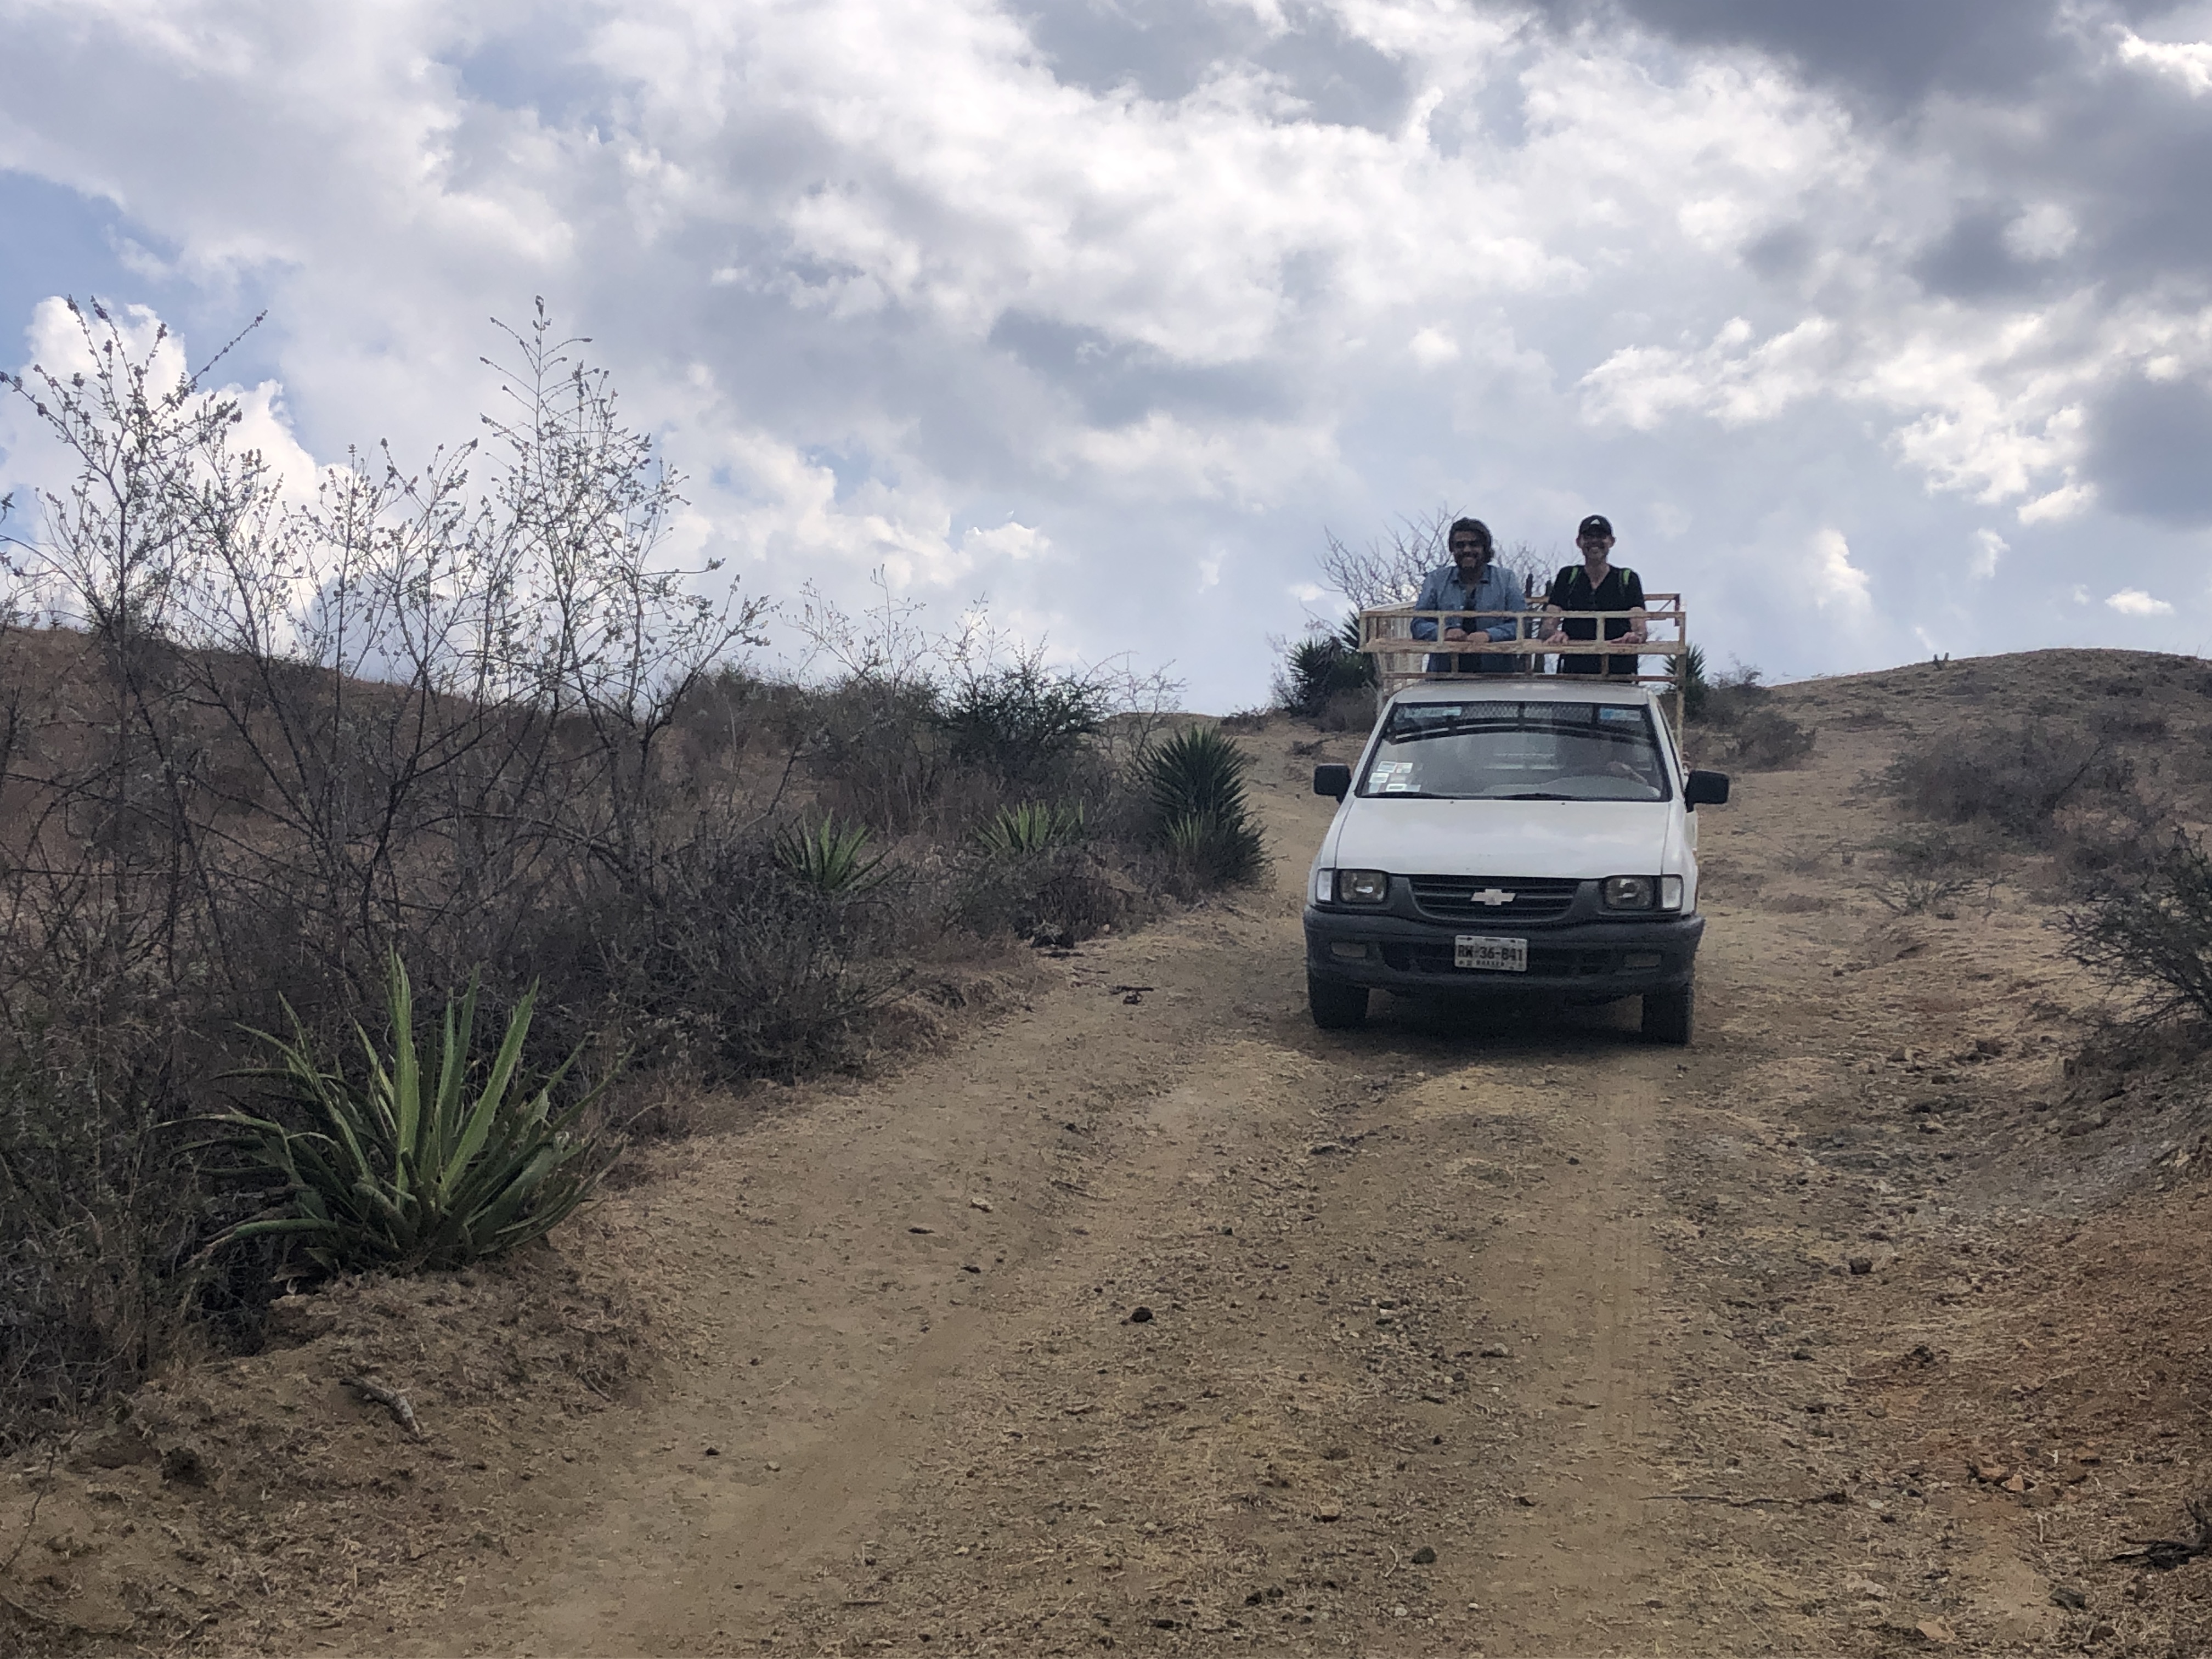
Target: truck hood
1563, 838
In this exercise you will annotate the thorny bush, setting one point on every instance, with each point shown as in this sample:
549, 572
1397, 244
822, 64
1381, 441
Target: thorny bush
2149, 934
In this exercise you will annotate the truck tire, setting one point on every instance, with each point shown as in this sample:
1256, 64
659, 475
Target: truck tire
1336, 1007
1669, 1015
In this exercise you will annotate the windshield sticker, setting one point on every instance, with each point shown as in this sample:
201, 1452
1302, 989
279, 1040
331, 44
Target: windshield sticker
1614, 713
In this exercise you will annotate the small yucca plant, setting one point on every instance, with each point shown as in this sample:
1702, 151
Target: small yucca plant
1195, 781
407, 1170
830, 858
1034, 827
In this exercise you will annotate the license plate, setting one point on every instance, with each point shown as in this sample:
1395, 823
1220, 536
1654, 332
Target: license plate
1507, 956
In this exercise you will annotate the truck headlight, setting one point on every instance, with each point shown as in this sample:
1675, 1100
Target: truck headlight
1363, 886
1643, 892
1629, 892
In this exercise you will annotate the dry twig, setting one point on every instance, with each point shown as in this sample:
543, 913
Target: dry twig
2166, 1553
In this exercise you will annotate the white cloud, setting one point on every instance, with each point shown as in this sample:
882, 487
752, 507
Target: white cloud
2188, 62
1010, 541
1640, 385
878, 271
1432, 348
2046, 231
1989, 548
2068, 501
2134, 602
1833, 579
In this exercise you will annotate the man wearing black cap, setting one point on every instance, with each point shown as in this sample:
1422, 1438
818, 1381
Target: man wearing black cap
1472, 582
1596, 584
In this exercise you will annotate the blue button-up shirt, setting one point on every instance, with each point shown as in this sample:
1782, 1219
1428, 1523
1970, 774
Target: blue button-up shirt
1495, 589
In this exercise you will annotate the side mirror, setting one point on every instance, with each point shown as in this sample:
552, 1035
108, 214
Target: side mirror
1335, 781
1706, 789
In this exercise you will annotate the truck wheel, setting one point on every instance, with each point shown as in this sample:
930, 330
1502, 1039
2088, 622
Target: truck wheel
1336, 1007
1669, 1014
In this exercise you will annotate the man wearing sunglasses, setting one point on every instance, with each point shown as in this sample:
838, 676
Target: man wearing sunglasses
1471, 582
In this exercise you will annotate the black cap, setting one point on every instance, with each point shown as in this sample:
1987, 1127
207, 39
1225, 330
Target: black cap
1596, 525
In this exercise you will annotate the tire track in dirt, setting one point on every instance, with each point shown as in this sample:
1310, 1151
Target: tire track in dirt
1586, 1545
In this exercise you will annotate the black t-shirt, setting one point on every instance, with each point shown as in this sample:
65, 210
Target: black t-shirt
1621, 590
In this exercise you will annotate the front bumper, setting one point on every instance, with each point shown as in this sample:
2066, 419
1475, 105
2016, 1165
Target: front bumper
1597, 960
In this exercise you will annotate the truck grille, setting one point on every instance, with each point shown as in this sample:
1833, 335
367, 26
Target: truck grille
1452, 898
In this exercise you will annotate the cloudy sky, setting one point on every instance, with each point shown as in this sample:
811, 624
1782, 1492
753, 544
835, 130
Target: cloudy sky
1879, 329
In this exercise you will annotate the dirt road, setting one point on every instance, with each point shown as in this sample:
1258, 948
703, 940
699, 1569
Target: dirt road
1152, 1314
1146, 1317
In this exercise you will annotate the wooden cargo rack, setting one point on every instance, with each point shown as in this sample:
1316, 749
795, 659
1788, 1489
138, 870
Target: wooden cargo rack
1386, 633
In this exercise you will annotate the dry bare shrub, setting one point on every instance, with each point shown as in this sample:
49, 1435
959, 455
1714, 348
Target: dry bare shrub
1740, 728
2013, 778
1348, 711
1389, 568
2148, 932
1929, 867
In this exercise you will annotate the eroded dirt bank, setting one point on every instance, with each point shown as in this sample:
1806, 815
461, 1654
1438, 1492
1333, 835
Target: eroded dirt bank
1149, 1318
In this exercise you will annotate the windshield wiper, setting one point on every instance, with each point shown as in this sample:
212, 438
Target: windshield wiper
1533, 794
1408, 794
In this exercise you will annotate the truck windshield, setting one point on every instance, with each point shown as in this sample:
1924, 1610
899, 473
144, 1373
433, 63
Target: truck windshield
1494, 750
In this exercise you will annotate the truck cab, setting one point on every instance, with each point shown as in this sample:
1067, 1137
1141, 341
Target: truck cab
1522, 834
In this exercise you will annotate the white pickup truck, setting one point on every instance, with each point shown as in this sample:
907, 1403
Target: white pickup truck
1512, 836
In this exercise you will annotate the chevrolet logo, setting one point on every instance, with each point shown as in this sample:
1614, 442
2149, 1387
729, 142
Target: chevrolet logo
1493, 897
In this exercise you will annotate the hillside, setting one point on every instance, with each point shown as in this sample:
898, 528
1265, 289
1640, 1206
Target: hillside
1145, 1317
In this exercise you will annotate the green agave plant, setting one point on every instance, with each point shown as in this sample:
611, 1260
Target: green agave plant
830, 858
1032, 827
1196, 783
409, 1171
1194, 773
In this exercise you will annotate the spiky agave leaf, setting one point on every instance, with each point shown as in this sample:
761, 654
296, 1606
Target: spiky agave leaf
1032, 827
1196, 784
830, 858
1196, 772
1218, 849
393, 1177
